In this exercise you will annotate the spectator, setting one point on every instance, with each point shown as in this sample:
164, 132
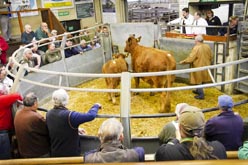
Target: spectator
85, 35
201, 55
212, 20
94, 44
168, 133
30, 59
112, 149
63, 125
42, 34
4, 79
70, 50
105, 31
31, 130
28, 36
184, 20
35, 50
192, 145
199, 21
52, 54
233, 26
83, 47
227, 127
5, 6
6, 120
54, 39
3, 50
243, 151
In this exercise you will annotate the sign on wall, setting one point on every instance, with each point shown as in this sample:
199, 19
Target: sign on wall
61, 4
17, 5
84, 8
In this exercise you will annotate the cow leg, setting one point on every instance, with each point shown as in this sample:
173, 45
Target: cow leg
108, 83
137, 80
165, 97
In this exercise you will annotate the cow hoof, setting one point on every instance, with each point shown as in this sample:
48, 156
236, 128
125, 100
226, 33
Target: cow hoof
136, 93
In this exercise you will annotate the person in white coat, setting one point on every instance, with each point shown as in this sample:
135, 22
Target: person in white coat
186, 19
199, 24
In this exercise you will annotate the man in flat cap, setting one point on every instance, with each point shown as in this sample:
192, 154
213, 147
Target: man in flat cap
227, 127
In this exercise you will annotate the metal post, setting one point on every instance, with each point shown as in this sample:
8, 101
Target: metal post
125, 107
19, 75
62, 48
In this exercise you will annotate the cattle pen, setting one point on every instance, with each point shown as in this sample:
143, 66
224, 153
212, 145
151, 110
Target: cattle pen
70, 72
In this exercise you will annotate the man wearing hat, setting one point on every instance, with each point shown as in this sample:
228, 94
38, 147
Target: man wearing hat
227, 127
191, 146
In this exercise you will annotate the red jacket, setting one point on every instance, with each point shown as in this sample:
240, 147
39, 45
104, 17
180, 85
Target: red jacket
4, 46
6, 101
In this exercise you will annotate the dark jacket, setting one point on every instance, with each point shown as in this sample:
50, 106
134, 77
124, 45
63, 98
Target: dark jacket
233, 30
227, 128
180, 151
63, 130
31, 133
114, 152
71, 52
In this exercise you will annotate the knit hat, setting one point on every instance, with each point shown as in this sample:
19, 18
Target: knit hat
225, 102
179, 108
192, 121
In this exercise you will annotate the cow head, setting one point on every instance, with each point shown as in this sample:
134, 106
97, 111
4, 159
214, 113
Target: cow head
119, 55
131, 43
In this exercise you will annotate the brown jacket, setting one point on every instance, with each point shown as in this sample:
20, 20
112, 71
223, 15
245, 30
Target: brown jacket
31, 133
201, 55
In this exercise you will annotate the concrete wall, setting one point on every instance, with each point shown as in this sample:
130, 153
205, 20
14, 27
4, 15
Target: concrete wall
89, 62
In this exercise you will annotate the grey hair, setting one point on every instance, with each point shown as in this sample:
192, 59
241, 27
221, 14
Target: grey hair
60, 97
27, 26
26, 50
111, 129
199, 38
30, 99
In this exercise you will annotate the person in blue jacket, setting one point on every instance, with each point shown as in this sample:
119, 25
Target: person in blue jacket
63, 125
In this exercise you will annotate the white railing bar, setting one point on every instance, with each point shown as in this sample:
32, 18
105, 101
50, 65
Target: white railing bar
70, 88
188, 87
140, 89
170, 72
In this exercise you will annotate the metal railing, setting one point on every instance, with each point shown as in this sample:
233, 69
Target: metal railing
125, 90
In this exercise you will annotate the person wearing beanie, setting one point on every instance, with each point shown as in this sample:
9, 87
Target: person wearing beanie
227, 127
192, 145
63, 125
169, 131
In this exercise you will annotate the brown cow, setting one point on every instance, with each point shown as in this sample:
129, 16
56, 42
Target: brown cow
117, 65
145, 59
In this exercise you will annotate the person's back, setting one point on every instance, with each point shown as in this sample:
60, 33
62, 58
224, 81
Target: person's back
31, 130
227, 127
192, 145
63, 125
112, 149
64, 138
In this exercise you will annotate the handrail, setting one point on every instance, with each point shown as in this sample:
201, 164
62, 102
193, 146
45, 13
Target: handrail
80, 160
